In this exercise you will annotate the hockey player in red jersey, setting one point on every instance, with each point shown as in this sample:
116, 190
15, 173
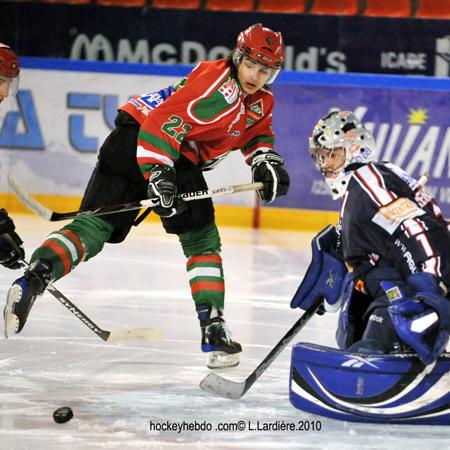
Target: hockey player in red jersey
11, 249
394, 242
160, 146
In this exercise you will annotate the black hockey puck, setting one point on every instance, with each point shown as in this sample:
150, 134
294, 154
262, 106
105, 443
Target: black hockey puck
62, 415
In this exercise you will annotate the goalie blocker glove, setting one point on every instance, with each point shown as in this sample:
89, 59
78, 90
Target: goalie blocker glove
422, 319
11, 249
268, 169
326, 276
162, 188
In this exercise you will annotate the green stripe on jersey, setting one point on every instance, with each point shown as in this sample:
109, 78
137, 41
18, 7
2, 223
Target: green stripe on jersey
218, 101
259, 139
158, 143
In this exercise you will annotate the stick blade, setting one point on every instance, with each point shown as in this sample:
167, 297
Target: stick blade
137, 334
214, 384
28, 200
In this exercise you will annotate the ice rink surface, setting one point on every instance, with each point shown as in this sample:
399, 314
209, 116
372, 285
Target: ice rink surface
121, 392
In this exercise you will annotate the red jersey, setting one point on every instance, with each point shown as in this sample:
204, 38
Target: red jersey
207, 116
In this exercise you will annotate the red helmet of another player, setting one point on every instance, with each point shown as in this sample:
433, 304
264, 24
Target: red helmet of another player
9, 64
262, 45
9, 72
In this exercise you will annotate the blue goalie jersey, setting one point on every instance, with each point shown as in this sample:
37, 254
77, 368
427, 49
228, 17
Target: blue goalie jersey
388, 220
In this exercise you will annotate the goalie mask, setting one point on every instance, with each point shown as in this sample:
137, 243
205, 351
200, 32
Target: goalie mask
338, 140
261, 45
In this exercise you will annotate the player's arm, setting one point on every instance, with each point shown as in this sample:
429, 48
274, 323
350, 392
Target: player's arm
267, 165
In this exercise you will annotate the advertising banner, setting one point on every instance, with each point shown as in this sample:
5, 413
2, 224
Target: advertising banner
50, 133
409, 121
313, 42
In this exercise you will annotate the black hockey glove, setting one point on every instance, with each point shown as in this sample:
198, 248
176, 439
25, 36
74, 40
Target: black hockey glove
268, 168
11, 249
162, 188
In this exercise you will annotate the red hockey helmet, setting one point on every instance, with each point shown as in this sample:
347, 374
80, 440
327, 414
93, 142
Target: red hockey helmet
9, 64
262, 45
9, 71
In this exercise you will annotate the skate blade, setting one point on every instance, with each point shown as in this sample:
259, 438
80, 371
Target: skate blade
11, 320
220, 360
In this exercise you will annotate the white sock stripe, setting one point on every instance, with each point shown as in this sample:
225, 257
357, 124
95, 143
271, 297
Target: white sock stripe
204, 272
69, 244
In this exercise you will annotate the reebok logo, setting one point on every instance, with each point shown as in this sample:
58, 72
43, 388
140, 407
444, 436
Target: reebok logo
375, 318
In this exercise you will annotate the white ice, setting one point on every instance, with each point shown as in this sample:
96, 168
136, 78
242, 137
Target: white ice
117, 390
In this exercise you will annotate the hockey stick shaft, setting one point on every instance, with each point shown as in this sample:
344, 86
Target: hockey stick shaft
218, 385
149, 334
283, 343
53, 216
423, 180
152, 334
104, 334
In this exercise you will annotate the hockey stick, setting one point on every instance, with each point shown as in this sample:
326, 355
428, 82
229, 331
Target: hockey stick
53, 216
423, 180
135, 334
215, 384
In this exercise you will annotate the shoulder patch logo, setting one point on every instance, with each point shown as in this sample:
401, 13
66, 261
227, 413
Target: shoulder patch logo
229, 90
257, 108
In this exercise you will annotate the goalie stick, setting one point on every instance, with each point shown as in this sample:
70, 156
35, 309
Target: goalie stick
53, 216
215, 384
135, 334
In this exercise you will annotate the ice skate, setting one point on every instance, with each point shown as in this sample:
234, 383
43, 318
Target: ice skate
22, 295
216, 339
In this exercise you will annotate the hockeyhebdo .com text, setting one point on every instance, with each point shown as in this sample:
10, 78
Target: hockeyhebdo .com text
179, 427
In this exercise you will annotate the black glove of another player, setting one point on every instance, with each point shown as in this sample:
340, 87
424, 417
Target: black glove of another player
268, 168
11, 249
162, 188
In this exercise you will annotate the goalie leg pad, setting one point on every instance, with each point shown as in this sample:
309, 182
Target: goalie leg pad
369, 388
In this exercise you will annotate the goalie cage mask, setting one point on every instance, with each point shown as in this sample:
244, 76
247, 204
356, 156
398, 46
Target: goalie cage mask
341, 129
